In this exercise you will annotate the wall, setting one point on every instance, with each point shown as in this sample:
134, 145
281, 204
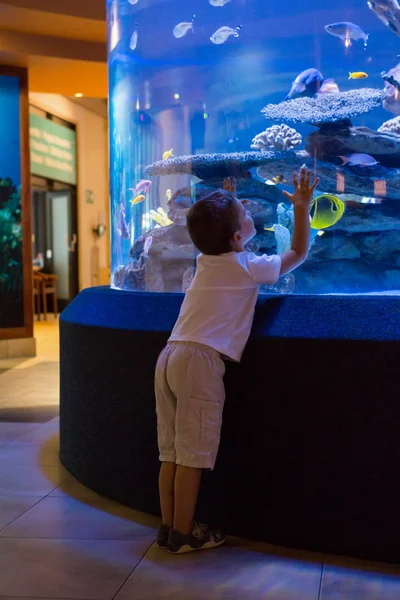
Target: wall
92, 148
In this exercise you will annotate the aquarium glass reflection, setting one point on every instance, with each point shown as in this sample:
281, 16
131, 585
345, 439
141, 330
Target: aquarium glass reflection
206, 89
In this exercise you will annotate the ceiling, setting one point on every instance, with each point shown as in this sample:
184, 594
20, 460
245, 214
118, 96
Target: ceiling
62, 42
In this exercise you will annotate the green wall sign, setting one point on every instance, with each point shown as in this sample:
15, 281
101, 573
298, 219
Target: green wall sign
53, 150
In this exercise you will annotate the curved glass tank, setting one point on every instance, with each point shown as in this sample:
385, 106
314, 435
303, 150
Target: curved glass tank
205, 89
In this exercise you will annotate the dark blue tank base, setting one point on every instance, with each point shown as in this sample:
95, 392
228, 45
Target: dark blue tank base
310, 448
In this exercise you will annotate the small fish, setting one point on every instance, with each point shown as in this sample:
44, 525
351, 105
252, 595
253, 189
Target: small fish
181, 29
133, 1
358, 75
137, 200
219, 2
168, 154
142, 187
123, 226
325, 211
182, 202
147, 245
329, 86
347, 31
359, 160
223, 33
134, 39
168, 195
279, 179
307, 83
232, 140
269, 229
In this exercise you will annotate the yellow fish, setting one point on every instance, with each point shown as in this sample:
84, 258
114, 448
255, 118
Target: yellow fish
137, 199
168, 194
325, 211
279, 179
269, 228
168, 154
358, 75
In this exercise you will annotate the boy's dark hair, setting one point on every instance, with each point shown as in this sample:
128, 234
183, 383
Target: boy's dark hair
212, 221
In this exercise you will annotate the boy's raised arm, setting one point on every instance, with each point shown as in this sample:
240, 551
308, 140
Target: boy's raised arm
301, 200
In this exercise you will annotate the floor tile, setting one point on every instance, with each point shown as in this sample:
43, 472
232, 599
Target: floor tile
25, 598
30, 480
10, 431
92, 570
41, 434
68, 518
30, 453
12, 507
72, 488
350, 579
229, 572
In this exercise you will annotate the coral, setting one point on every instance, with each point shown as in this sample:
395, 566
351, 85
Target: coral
387, 11
160, 217
392, 126
249, 188
391, 102
279, 137
282, 236
328, 144
210, 166
362, 181
390, 79
325, 108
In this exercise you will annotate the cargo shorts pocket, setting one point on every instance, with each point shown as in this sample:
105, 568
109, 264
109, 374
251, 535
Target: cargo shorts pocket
204, 427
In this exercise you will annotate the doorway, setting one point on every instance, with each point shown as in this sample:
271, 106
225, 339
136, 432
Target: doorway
54, 227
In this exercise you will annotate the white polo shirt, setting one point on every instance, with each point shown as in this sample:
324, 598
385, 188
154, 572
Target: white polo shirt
218, 308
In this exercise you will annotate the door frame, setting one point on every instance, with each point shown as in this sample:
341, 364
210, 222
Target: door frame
51, 186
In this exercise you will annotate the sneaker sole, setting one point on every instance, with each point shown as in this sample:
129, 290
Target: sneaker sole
186, 549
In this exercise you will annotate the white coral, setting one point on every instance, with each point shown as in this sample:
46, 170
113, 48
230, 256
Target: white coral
280, 137
392, 126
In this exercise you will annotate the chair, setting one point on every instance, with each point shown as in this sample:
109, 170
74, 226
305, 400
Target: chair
37, 291
48, 286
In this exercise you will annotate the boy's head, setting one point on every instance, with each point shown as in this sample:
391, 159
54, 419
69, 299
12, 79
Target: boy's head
219, 223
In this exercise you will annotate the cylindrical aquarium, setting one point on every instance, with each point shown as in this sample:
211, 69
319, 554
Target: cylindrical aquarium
205, 89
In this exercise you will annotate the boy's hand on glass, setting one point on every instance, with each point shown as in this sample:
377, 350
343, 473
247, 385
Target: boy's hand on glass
230, 185
303, 190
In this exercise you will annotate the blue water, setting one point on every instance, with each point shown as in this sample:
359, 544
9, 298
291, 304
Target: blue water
196, 98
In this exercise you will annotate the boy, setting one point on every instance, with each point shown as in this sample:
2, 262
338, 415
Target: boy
214, 323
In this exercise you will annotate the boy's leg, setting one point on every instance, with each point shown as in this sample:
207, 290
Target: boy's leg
166, 488
197, 380
187, 484
166, 413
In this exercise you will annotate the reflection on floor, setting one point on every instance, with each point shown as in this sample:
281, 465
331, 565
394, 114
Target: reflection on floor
60, 540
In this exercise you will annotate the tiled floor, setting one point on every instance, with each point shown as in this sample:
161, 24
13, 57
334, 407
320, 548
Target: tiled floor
60, 540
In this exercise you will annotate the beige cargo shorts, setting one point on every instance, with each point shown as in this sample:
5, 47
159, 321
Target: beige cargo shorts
190, 398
